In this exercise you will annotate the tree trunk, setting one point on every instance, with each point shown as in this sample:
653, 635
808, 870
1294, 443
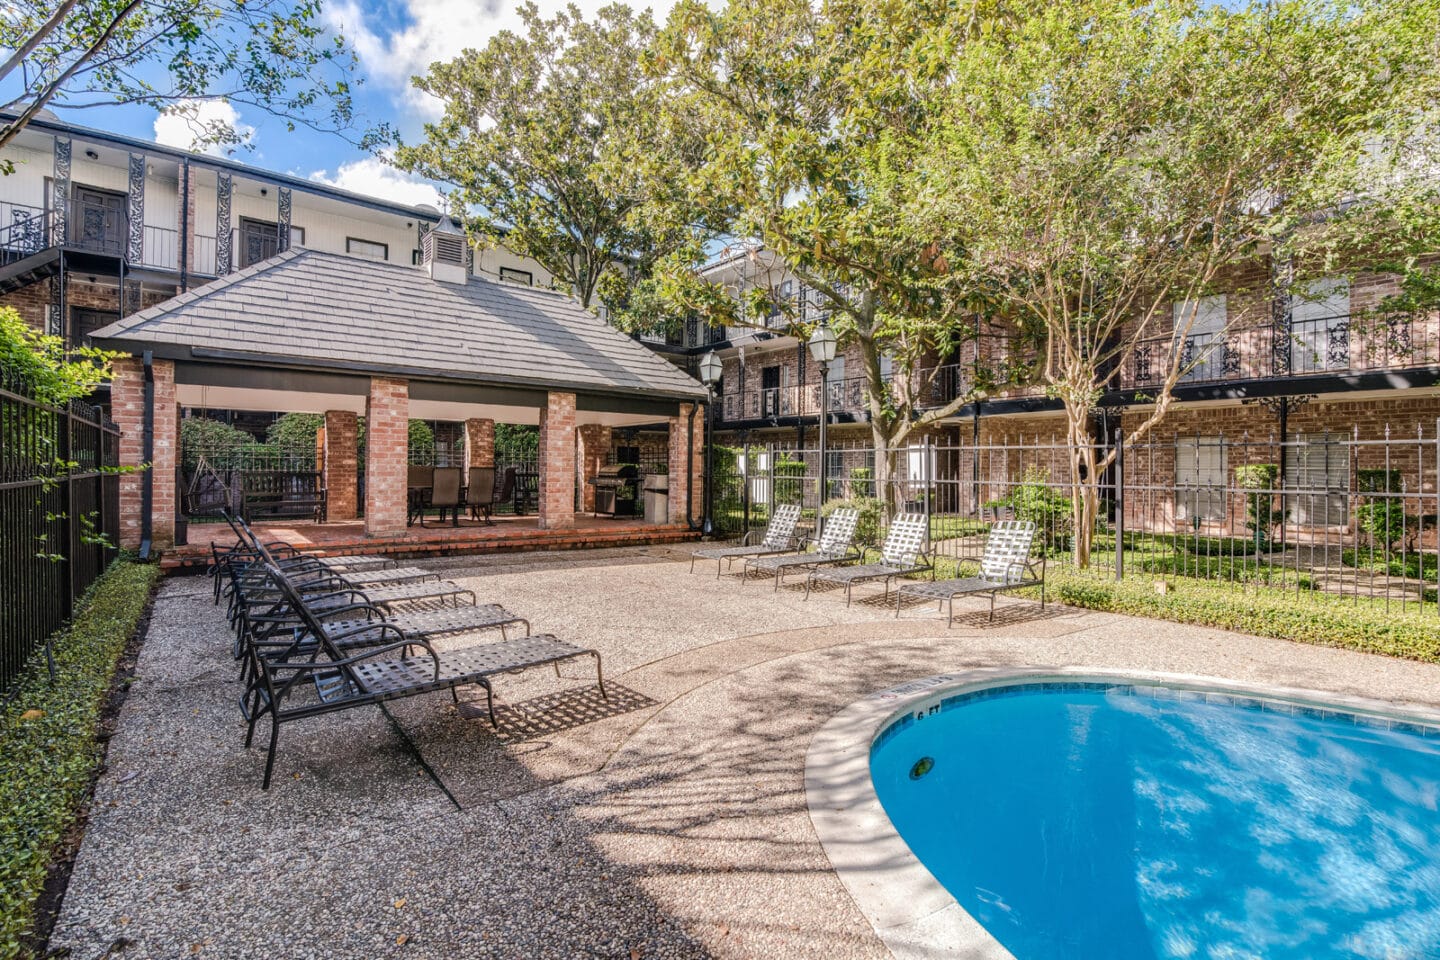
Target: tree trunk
1084, 483
885, 487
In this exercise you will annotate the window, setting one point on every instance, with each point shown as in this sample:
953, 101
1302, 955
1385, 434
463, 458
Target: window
1200, 337
838, 391
517, 276
1317, 476
1320, 327
368, 249
1199, 479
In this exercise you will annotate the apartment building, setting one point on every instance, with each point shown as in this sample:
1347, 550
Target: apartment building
94, 226
1266, 376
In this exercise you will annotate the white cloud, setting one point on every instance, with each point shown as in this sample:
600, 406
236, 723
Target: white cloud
437, 30
188, 121
373, 177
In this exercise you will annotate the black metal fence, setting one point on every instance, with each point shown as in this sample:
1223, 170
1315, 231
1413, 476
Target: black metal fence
59, 515
1332, 513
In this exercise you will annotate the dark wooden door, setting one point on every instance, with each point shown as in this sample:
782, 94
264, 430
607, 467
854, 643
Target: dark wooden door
770, 391
98, 221
259, 240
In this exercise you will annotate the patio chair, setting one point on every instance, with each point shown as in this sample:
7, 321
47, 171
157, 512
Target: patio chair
835, 546
1005, 565
480, 493
779, 537
419, 480
445, 495
388, 672
902, 554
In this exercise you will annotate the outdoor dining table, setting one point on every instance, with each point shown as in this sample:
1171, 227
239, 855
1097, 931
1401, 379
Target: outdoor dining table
418, 500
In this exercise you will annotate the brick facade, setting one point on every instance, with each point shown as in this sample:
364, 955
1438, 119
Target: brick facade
127, 392
681, 479
341, 465
594, 452
32, 301
479, 443
387, 456
557, 461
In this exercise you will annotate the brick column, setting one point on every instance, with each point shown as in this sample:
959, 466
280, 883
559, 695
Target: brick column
480, 442
341, 465
387, 455
594, 451
680, 478
557, 461
127, 409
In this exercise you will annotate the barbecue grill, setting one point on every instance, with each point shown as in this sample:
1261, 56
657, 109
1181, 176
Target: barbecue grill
615, 490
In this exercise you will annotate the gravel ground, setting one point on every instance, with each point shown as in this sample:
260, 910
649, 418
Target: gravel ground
668, 822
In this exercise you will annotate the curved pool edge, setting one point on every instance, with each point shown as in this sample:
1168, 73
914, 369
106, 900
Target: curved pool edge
913, 915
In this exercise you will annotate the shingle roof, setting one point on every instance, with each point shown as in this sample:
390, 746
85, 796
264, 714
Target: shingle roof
316, 310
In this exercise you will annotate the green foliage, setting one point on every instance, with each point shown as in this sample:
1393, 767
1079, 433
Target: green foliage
48, 751
1262, 479
789, 479
872, 515
516, 442
297, 431
220, 443
553, 137
175, 55
1383, 518
1323, 619
1377, 480
421, 442
862, 482
1415, 566
1035, 499
51, 373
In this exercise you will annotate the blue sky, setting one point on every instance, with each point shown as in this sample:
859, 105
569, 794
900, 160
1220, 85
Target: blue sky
394, 39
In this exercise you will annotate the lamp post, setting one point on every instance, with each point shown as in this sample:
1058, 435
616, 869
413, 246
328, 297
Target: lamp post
822, 344
710, 370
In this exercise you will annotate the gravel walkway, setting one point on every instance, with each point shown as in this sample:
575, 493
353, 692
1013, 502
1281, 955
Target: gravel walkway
670, 822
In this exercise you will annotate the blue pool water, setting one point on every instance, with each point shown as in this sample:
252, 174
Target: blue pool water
1099, 821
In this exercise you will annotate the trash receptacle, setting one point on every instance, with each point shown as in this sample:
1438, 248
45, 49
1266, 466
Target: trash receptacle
657, 498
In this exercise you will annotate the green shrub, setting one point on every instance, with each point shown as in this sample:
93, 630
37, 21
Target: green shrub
1036, 500
872, 513
48, 750
1260, 515
1323, 619
789, 480
862, 482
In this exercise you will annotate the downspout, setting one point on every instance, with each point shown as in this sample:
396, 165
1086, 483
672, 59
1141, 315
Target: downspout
689, 465
185, 226
147, 482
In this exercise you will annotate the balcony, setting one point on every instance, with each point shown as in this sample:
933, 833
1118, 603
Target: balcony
91, 228
1322, 345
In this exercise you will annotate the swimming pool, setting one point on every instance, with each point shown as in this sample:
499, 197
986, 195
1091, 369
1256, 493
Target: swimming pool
1104, 818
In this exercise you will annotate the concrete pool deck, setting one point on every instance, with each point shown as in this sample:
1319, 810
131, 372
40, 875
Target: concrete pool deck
670, 822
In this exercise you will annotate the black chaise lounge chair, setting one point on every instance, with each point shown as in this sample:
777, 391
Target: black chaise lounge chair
1006, 565
835, 546
903, 554
388, 672
779, 537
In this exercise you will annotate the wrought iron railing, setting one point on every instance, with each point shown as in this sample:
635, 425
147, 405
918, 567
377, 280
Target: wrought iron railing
1355, 343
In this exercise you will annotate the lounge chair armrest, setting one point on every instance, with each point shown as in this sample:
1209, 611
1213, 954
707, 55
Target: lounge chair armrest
383, 626
351, 608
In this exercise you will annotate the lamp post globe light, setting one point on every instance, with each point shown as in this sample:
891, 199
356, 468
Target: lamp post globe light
822, 344
710, 371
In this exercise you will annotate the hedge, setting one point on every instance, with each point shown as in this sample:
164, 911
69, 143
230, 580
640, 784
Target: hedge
1324, 619
48, 748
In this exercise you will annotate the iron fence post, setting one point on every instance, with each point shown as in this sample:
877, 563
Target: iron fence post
67, 519
1119, 504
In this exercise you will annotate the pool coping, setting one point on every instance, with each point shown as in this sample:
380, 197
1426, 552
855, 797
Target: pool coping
913, 915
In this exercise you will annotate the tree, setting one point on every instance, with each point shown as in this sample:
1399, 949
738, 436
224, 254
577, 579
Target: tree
173, 54
553, 139
812, 138
1101, 160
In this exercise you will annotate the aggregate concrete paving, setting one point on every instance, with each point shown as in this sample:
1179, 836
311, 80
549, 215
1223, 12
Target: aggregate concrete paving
669, 821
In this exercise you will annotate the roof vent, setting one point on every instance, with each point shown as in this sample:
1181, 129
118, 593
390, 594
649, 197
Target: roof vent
443, 252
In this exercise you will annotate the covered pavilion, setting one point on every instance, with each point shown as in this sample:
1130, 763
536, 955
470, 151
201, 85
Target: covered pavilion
335, 335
